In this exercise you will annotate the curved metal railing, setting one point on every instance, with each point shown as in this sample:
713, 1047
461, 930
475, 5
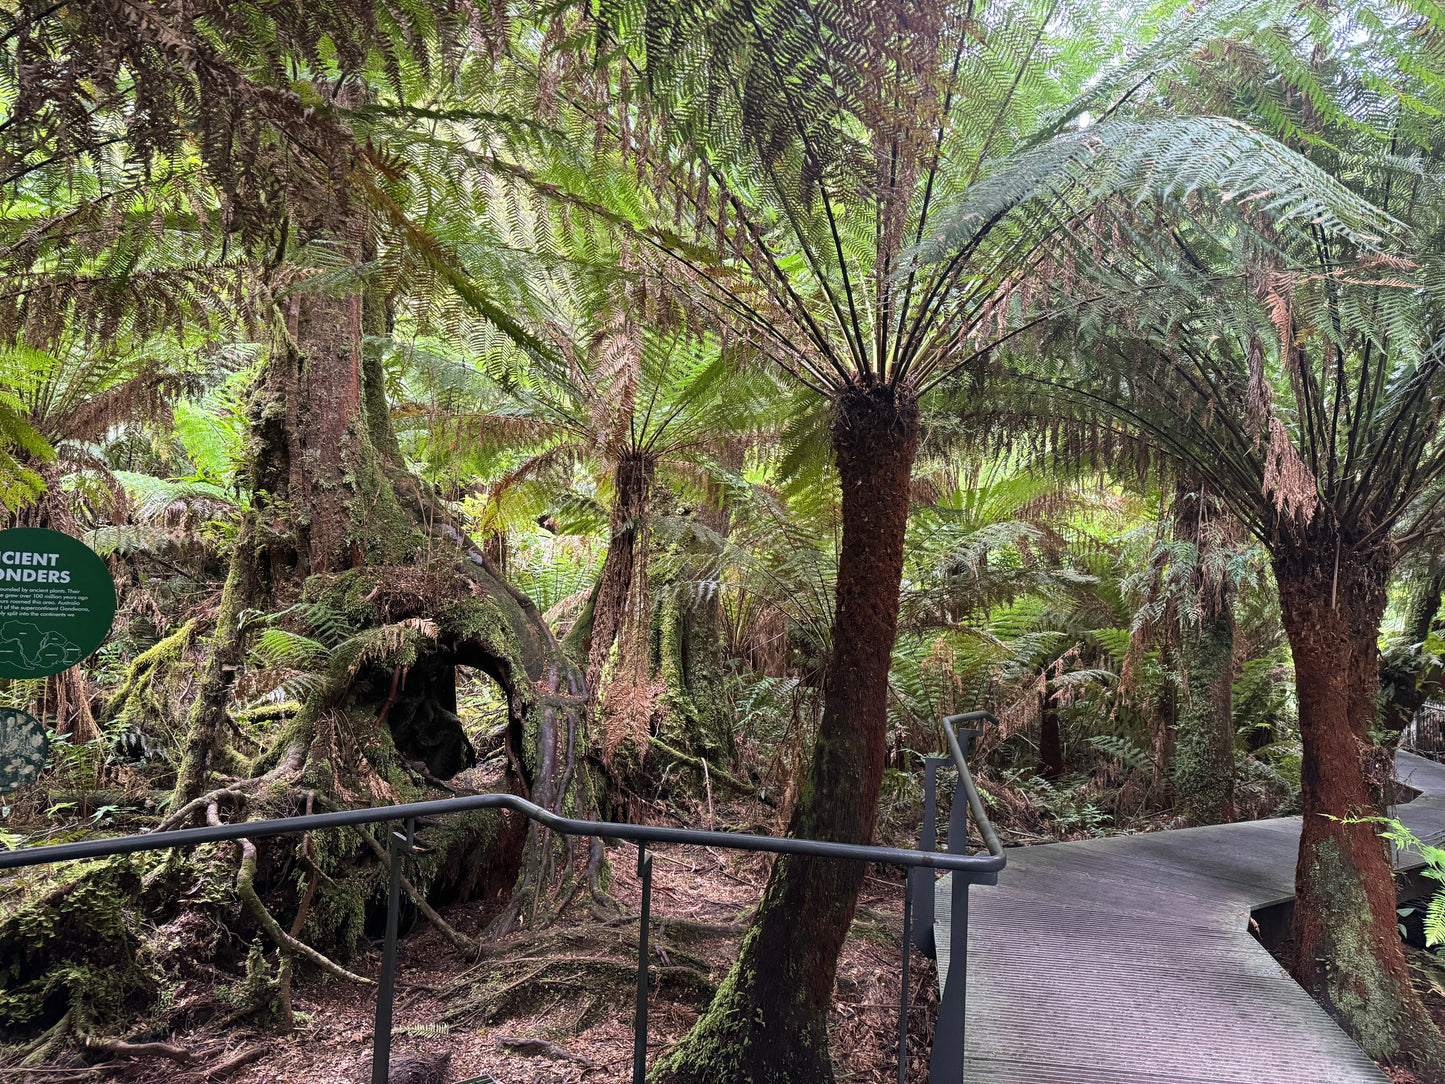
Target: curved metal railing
946, 1063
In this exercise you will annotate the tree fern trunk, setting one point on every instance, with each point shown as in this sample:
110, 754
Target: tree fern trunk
1202, 773
1422, 605
1349, 953
632, 485
768, 1023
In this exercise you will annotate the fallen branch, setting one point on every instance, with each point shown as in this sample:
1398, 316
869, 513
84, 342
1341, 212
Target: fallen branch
541, 1048
121, 1048
246, 890
236, 1061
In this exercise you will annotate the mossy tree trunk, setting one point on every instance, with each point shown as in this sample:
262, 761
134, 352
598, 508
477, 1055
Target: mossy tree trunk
1202, 768
1349, 953
768, 1023
1203, 771
337, 520
1423, 604
687, 657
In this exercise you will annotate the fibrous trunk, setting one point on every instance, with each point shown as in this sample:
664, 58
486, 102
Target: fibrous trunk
1349, 953
1422, 604
619, 653
768, 1022
1203, 768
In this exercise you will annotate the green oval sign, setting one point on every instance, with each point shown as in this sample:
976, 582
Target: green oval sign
23, 750
57, 602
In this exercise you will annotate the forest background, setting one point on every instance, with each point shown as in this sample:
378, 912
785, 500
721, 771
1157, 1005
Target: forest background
639, 407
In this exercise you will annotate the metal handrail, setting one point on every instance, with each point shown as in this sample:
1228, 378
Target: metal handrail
964, 868
965, 777
633, 833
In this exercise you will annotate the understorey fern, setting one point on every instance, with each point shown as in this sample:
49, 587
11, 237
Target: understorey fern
1434, 869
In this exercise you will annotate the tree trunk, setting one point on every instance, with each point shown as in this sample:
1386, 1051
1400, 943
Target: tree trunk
687, 651
1051, 741
1348, 950
633, 483
336, 520
1422, 605
1203, 766
619, 654
768, 1023
1202, 771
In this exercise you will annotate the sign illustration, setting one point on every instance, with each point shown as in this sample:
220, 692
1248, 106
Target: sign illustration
57, 602
23, 750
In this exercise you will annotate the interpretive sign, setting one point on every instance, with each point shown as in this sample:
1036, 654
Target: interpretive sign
57, 602
23, 750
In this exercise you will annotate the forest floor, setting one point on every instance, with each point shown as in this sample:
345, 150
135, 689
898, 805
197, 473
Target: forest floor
580, 1004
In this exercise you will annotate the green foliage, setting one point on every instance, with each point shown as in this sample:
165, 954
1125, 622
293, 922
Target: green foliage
1123, 749
1434, 869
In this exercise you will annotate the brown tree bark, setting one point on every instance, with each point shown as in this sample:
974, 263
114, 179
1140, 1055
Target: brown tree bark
633, 483
768, 1022
619, 654
1349, 953
1051, 740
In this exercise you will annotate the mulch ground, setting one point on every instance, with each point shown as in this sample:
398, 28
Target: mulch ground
585, 1027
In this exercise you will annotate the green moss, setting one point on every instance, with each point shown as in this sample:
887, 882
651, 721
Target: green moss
77, 946
338, 913
697, 715
1359, 990
723, 1043
140, 702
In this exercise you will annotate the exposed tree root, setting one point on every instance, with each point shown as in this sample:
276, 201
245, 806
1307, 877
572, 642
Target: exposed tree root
39, 1052
288, 959
710, 770
570, 976
178, 819
541, 1048
236, 1061
468, 946
246, 890
120, 1048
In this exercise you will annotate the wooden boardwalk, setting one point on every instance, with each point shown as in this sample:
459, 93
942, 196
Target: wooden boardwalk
1129, 960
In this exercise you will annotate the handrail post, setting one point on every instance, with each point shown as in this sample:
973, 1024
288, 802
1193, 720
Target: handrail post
905, 989
400, 843
639, 1023
945, 1065
920, 878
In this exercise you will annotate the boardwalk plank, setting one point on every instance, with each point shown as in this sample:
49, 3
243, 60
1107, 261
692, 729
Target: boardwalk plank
1128, 960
